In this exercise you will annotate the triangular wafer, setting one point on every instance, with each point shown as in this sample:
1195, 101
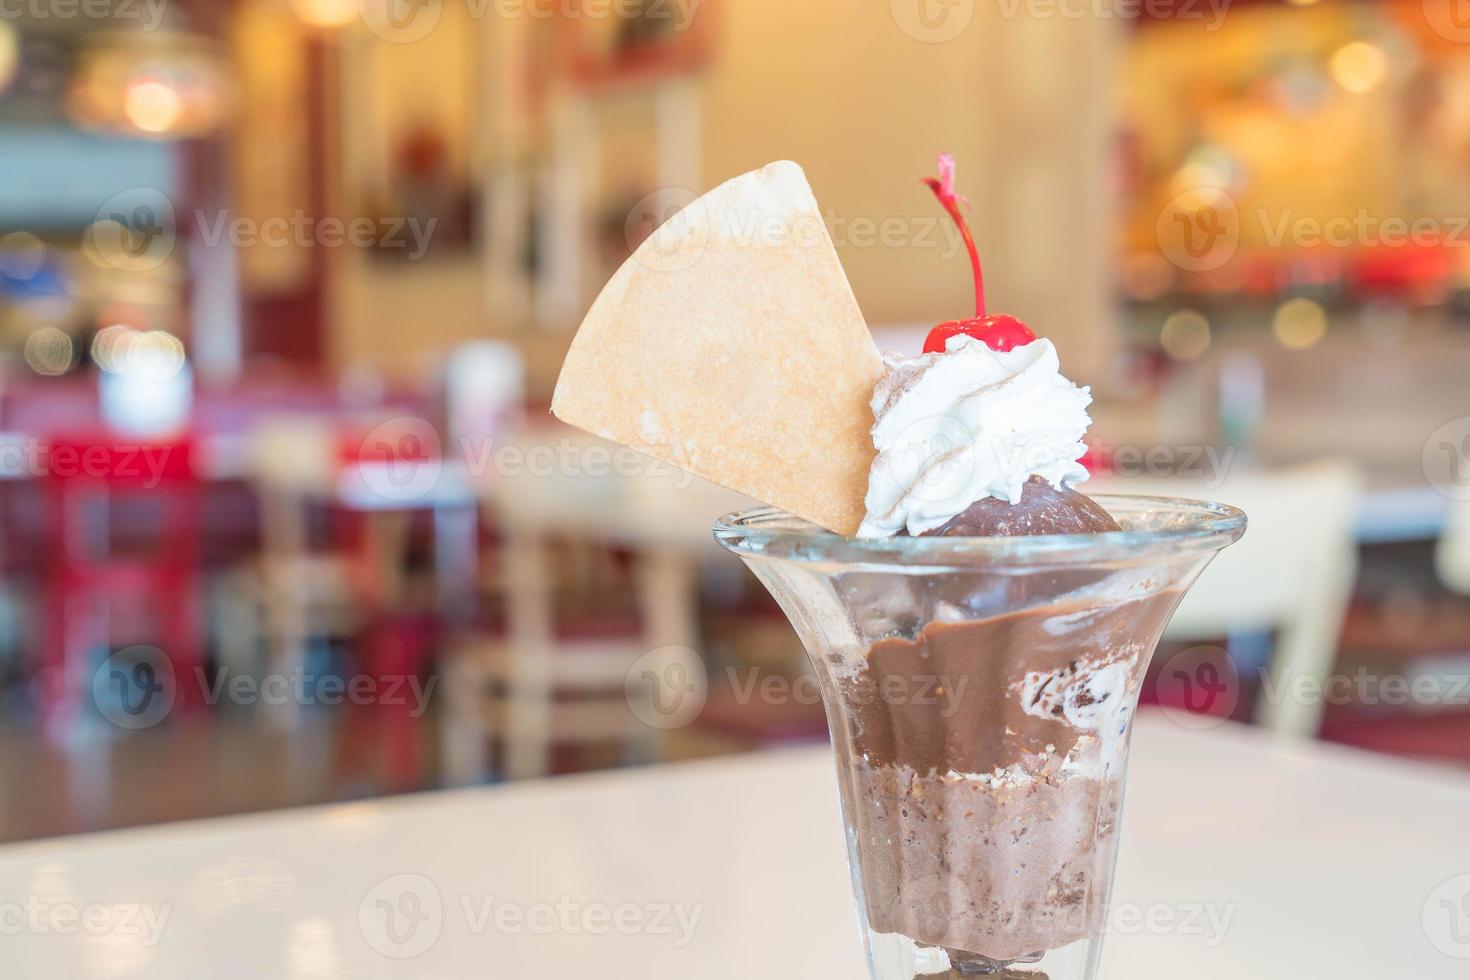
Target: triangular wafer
731, 345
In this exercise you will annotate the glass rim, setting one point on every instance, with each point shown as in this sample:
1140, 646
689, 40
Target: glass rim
1191, 527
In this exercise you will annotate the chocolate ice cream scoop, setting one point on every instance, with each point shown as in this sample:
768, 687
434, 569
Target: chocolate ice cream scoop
1043, 509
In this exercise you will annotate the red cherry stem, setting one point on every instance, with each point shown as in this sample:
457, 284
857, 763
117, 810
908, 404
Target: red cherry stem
943, 189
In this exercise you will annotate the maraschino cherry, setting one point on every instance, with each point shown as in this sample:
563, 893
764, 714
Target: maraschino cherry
1000, 331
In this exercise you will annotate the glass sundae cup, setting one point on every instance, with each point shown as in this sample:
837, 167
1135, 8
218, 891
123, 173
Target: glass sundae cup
980, 694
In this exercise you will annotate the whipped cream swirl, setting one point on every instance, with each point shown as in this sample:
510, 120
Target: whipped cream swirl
972, 422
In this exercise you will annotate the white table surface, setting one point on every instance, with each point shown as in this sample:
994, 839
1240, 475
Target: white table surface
1326, 862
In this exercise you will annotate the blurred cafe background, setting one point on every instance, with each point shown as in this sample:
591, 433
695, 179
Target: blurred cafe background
285, 284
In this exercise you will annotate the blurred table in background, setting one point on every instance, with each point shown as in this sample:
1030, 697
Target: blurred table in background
1240, 858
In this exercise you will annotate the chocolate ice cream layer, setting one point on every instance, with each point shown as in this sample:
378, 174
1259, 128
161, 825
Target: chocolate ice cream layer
970, 697
999, 870
987, 773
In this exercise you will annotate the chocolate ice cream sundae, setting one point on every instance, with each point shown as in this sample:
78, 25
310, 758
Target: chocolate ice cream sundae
986, 827
979, 626
985, 818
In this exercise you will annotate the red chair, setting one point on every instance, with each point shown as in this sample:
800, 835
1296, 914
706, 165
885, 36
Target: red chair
379, 488
89, 478
1443, 736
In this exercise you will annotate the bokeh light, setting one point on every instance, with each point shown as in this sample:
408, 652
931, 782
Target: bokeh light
1185, 335
152, 354
1359, 66
21, 255
1299, 323
49, 351
108, 344
153, 104
326, 13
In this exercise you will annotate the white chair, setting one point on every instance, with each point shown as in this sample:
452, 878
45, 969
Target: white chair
1452, 557
533, 689
665, 521
1292, 572
291, 593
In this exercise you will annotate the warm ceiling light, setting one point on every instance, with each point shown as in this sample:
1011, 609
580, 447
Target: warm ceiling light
1186, 335
153, 105
326, 13
1299, 323
160, 84
1359, 66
